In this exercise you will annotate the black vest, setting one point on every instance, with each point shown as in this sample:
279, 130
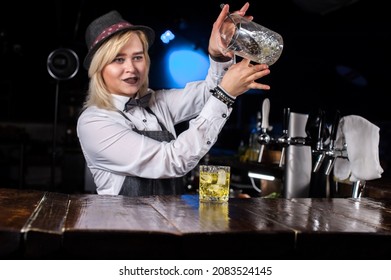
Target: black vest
137, 186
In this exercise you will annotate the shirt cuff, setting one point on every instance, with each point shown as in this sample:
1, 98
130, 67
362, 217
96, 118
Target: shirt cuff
219, 68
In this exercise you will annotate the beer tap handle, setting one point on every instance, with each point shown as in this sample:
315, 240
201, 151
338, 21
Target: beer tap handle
319, 142
265, 114
264, 137
319, 145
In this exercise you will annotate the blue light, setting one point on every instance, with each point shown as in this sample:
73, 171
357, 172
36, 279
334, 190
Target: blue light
186, 65
167, 36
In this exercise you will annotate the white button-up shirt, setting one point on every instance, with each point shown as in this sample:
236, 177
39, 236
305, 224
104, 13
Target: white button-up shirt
112, 149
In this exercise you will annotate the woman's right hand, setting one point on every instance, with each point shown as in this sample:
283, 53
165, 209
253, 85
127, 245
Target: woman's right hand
214, 49
243, 76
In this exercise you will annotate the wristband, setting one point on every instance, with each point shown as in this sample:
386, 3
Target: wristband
220, 94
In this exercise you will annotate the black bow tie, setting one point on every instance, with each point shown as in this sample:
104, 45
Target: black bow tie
141, 102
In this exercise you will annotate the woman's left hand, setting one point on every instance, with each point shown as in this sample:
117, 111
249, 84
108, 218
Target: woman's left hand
243, 76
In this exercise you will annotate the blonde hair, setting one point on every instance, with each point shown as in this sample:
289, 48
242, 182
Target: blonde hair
98, 94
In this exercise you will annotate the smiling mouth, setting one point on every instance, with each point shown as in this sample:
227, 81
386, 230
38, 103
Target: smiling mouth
131, 80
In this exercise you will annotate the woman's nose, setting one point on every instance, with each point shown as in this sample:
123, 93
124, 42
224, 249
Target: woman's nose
129, 65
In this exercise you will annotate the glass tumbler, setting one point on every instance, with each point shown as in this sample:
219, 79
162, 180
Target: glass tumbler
250, 40
214, 183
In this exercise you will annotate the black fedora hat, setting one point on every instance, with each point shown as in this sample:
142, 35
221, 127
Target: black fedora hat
104, 27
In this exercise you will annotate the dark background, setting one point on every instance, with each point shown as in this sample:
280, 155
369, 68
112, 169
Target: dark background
320, 36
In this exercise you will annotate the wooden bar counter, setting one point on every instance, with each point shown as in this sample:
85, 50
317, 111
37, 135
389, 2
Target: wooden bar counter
48, 225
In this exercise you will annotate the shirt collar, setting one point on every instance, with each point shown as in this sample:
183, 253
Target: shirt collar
119, 101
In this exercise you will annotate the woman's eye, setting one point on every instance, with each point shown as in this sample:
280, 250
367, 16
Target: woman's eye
119, 59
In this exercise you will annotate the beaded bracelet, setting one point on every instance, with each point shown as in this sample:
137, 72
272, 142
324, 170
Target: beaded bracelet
220, 94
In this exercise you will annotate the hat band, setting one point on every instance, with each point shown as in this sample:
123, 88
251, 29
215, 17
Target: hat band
110, 30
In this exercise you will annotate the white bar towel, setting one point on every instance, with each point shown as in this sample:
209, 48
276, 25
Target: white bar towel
362, 140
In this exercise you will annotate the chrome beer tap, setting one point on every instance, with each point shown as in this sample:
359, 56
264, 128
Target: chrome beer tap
283, 140
333, 152
319, 148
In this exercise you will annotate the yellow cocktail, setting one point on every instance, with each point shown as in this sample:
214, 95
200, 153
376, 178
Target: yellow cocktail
214, 183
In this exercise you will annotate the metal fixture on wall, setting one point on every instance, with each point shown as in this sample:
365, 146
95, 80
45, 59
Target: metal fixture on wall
62, 65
